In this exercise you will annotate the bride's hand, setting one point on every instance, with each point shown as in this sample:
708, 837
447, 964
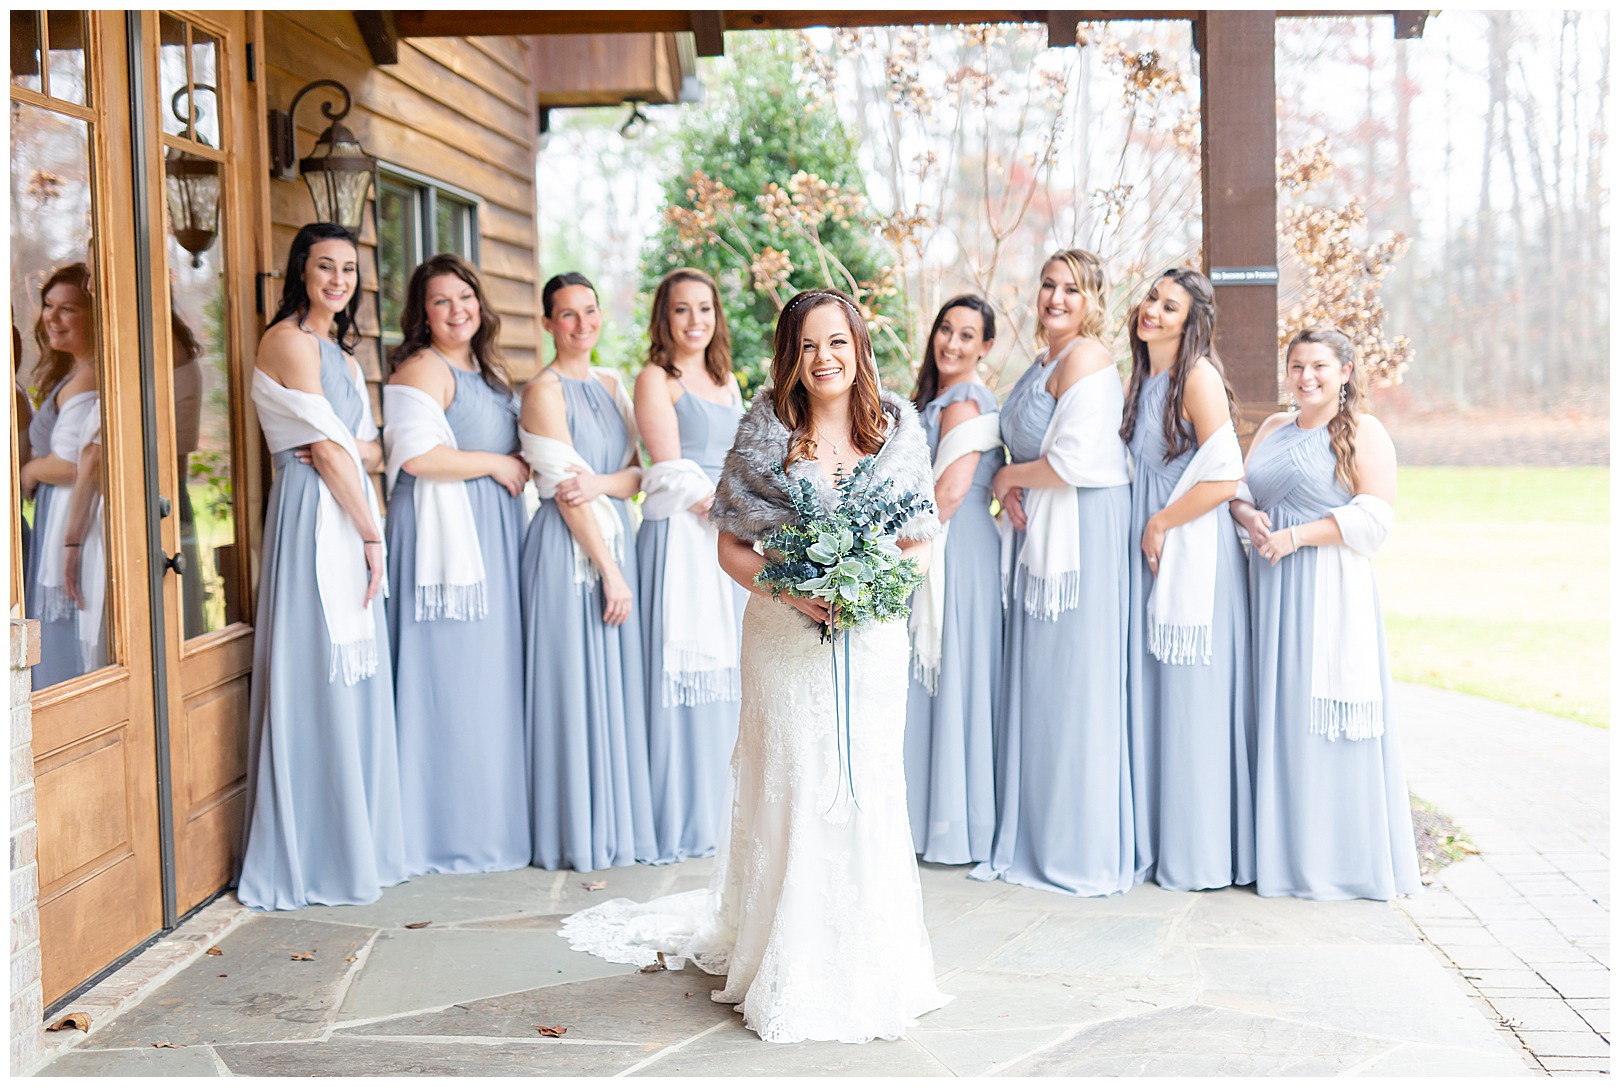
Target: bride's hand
812, 606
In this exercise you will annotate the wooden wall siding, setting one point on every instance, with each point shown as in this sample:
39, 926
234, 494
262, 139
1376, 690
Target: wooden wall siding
461, 110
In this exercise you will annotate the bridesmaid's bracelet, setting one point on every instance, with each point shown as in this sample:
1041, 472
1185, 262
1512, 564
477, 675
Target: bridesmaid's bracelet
371, 541
1293, 534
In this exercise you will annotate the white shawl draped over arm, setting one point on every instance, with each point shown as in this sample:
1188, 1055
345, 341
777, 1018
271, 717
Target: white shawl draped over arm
1083, 446
701, 654
550, 460
450, 582
291, 418
1347, 693
1181, 606
78, 426
979, 434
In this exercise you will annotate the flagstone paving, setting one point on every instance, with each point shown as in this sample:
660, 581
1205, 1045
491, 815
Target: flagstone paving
1151, 982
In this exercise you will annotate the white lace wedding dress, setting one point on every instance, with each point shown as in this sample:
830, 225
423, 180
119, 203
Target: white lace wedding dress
815, 914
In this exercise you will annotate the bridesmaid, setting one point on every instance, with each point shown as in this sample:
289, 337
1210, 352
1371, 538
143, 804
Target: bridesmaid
1332, 815
688, 405
1192, 721
583, 702
1063, 789
956, 615
64, 439
323, 818
453, 617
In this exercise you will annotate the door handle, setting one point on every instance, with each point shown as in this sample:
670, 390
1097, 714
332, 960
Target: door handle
175, 562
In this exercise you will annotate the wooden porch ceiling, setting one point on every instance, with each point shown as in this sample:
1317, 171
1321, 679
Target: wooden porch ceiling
708, 25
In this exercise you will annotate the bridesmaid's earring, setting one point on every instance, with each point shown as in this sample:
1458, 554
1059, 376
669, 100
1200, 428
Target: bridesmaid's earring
1293, 405
1342, 390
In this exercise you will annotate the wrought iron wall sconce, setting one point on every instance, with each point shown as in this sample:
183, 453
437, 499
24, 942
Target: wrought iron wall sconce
191, 184
338, 171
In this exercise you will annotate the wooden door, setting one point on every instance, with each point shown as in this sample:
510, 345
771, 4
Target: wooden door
202, 169
73, 272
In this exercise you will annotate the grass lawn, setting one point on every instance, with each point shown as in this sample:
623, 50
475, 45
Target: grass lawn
1495, 581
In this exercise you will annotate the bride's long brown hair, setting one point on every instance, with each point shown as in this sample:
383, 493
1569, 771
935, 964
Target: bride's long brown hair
869, 426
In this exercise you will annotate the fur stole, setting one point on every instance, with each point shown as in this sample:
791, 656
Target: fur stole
749, 500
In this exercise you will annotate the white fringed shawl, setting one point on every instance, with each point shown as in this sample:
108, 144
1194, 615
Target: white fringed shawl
1347, 693
1181, 606
550, 459
1083, 446
78, 425
450, 581
979, 434
701, 656
291, 418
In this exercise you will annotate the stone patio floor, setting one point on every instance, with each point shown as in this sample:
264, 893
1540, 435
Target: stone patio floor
1500, 970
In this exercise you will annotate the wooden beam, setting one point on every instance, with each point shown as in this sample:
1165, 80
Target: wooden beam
1238, 86
1409, 24
446, 24
709, 33
1061, 28
380, 34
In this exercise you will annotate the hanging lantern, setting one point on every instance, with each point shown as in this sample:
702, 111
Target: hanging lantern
192, 186
338, 171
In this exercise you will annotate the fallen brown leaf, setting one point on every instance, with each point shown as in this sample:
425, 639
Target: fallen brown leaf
419, 924
304, 956
224, 975
1466, 847
594, 885
213, 951
551, 1032
72, 1021
352, 958
166, 1045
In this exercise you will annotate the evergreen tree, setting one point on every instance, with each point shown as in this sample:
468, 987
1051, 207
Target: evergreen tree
759, 136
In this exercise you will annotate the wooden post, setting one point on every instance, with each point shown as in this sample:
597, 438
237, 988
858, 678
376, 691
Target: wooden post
1238, 86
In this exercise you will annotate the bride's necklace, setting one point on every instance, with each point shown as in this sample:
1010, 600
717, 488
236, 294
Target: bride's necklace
837, 447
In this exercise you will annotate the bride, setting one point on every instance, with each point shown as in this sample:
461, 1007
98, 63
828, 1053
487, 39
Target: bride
815, 913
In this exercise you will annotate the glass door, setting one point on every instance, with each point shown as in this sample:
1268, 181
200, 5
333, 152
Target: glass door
81, 520
203, 162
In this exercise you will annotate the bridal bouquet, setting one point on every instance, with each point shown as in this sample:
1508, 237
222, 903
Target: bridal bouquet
848, 557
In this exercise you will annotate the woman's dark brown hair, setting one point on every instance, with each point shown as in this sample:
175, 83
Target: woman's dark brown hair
928, 373
54, 365
1197, 342
413, 322
661, 343
869, 425
1352, 401
295, 296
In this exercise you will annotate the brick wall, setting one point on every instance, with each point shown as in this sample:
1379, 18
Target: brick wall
27, 1006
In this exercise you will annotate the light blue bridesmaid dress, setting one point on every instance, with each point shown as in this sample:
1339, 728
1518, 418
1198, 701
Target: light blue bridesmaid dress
59, 653
323, 819
950, 748
584, 705
1332, 818
1063, 791
458, 683
689, 747
1192, 725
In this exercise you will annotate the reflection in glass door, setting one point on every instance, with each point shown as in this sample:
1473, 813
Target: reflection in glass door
57, 346
194, 169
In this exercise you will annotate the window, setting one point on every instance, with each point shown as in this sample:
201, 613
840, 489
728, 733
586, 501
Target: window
417, 217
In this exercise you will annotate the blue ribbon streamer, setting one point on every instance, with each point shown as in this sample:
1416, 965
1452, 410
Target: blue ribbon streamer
841, 727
